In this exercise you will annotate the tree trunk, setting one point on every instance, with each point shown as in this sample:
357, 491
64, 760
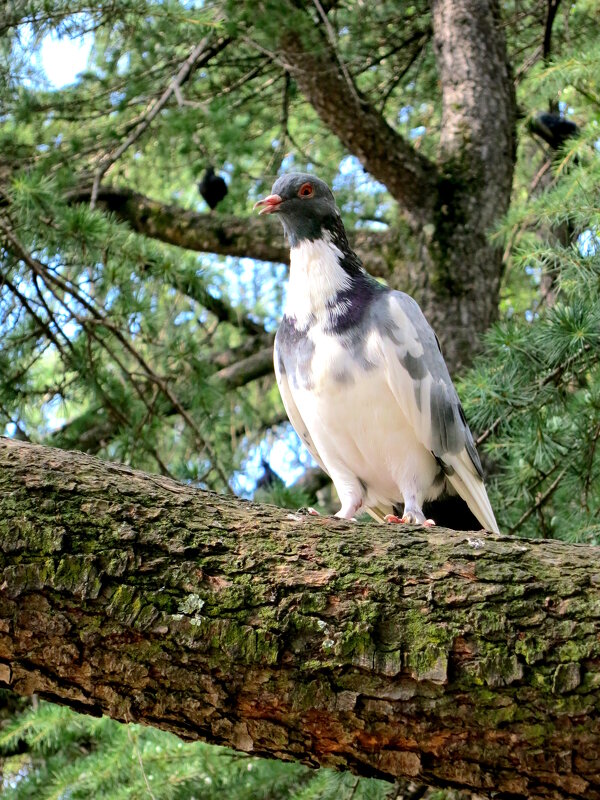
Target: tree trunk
476, 163
468, 660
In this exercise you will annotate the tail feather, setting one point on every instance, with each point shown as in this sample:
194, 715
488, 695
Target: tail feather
472, 489
376, 513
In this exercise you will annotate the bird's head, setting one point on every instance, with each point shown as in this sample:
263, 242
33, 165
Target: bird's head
305, 205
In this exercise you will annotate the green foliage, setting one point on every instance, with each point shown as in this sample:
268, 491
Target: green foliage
283, 496
536, 389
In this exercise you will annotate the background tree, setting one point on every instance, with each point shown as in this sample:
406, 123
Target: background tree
535, 396
138, 326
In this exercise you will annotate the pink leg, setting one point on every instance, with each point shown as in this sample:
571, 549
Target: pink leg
409, 519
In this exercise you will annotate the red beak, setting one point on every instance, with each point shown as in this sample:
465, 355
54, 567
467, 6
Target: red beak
269, 204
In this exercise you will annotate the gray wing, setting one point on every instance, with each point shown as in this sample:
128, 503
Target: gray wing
291, 409
419, 379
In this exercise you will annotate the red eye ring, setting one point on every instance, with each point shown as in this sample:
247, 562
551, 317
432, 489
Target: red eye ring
306, 190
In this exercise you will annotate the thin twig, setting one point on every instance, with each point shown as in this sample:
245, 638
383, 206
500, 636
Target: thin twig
556, 372
399, 77
539, 175
354, 788
588, 94
43, 326
241, 81
200, 55
20, 432
332, 41
136, 748
279, 152
541, 500
527, 64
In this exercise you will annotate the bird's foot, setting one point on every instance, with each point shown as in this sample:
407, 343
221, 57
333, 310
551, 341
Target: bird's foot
393, 519
312, 512
413, 517
349, 509
339, 515
410, 518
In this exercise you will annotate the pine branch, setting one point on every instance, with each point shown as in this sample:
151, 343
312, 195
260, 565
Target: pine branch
200, 55
541, 500
553, 376
97, 318
89, 432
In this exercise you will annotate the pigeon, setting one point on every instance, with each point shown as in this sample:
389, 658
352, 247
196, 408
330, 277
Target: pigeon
269, 478
553, 129
362, 376
212, 188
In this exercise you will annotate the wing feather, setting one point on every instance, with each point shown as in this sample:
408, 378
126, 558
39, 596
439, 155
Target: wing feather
291, 409
418, 377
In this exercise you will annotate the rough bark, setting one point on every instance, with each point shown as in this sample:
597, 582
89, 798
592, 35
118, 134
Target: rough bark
467, 660
476, 163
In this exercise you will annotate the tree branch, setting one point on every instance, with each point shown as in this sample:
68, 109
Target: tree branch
244, 237
408, 175
208, 233
465, 660
552, 8
249, 369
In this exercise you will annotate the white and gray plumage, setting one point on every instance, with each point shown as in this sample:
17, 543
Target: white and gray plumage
361, 374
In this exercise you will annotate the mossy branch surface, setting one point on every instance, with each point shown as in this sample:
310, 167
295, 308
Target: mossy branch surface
462, 659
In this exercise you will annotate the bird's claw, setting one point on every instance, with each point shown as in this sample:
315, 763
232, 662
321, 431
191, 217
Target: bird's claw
408, 519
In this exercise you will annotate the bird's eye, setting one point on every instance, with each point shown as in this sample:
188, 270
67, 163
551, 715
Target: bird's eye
306, 190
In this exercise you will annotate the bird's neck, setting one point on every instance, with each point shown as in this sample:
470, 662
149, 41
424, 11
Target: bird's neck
319, 279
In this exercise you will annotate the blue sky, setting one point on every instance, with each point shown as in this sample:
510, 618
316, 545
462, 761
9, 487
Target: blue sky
63, 59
